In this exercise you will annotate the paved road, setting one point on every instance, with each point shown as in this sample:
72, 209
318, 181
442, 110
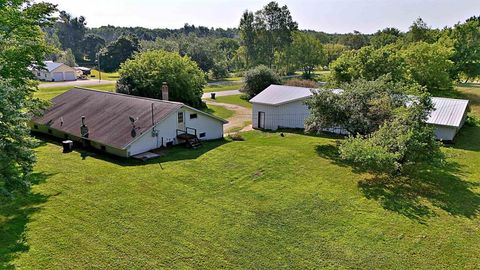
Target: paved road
223, 93
76, 83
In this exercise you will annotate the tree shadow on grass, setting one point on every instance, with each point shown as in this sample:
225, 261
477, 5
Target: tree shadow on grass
15, 214
416, 194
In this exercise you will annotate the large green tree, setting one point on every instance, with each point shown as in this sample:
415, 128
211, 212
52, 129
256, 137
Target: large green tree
117, 52
144, 74
267, 32
259, 78
71, 31
22, 44
466, 43
307, 52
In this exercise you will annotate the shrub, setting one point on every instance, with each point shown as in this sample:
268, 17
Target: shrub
259, 78
301, 83
236, 137
144, 74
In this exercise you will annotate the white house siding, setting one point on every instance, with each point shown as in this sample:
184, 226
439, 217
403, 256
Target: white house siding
270, 116
445, 133
167, 131
289, 115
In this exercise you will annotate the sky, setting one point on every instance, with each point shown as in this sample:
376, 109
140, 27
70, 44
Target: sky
332, 16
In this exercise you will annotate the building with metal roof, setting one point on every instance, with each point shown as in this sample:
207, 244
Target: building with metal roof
280, 106
125, 125
55, 72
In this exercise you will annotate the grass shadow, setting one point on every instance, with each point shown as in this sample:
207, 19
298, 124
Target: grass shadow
415, 195
15, 214
468, 138
175, 153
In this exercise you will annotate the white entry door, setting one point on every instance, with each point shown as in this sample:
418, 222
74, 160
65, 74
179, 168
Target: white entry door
261, 120
181, 120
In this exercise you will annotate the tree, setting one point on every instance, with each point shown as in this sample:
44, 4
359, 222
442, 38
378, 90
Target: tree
355, 40
307, 53
67, 58
420, 31
361, 108
428, 65
118, 52
71, 31
266, 33
466, 44
91, 46
405, 139
420, 63
333, 51
259, 78
384, 37
22, 44
144, 74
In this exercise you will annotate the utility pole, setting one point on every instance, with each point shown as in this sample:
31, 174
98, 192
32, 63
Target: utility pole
99, 72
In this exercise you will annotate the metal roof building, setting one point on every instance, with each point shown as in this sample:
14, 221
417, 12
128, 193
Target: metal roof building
124, 125
281, 106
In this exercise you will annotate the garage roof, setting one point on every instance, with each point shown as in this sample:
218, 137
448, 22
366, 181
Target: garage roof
281, 94
106, 115
448, 111
51, 66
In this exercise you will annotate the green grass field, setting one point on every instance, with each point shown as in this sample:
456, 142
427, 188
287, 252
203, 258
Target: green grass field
219, 111
223, 87
269, 202
51, 92
109, 76
234, 99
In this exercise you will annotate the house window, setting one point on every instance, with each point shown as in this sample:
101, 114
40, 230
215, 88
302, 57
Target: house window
35, 126
203, 134
180, 117
49, 131
193, 116
103, 148
38, 73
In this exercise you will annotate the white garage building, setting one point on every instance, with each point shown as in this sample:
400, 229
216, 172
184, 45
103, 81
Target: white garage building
55, 72
125, 125
281, 106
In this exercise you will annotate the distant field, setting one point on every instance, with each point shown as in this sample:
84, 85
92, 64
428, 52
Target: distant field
113, 76
222, 87
51, 92
234, 99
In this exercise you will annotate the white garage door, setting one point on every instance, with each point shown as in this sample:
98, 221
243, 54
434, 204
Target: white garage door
70, 76
58, 76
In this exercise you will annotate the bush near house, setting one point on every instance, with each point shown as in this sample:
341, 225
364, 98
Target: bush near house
144, 74
259, 78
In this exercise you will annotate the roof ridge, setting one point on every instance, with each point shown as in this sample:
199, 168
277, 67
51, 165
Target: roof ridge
130, 96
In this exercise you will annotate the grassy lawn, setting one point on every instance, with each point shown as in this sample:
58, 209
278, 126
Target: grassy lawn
219, 111
234, 99
51, 92
113, 76
269, 202
222, 87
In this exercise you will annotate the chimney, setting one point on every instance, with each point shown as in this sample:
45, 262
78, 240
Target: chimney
164, 91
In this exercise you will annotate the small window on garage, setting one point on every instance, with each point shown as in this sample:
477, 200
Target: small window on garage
49, 131
193, 116
35, 126
203, 134
103, 148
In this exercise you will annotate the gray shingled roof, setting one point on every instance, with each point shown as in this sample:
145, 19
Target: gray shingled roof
448, 111
106, 115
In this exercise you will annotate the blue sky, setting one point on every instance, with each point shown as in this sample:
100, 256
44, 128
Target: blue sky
326, 15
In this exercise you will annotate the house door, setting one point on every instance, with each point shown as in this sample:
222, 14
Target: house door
181, 120
261, 120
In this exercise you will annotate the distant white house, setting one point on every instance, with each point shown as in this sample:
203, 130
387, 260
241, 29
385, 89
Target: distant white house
55, 72
281, 106
125, 125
